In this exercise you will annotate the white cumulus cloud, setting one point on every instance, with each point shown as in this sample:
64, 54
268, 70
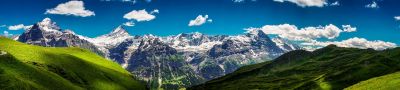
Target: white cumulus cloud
306, 3
372, 5
130, 1
133, 1
292, 32
19, 27
140, 15
130, 24
238, 1
6, 33
355, 43
210, 20
348, 28
200, 20
336, 3
75, 8
155, 11
397, 18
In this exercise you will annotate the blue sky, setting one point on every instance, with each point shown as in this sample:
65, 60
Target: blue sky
228, 17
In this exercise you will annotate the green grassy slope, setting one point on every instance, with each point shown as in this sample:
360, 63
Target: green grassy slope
387, 82
34, 67
328, 68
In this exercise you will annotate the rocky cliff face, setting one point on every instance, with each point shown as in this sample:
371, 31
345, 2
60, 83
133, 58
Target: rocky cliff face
41, 33
161, 66
120, 52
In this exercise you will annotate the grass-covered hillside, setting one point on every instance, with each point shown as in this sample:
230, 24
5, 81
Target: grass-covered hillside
329, 68
387, 82
25, 66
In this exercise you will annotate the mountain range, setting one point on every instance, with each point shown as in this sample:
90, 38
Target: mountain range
170, 62
193, 61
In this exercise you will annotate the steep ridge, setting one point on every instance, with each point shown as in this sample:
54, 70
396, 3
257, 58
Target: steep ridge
33, 67
47, 33
117, 45
327, 68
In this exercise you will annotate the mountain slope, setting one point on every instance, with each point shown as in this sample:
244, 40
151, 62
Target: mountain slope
386, 82
116, 45
327, 68
33, 67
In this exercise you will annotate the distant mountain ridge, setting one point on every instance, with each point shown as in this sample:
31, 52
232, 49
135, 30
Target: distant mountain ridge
200, 57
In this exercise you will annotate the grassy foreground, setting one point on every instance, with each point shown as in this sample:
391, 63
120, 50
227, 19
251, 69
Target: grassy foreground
387, 82
25, 66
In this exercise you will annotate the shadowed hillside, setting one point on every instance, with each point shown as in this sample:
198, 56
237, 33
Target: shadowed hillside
327, 68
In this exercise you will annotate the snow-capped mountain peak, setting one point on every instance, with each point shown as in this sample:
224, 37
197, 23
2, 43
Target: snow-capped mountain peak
197, 35
241, 38
47, 33
256, 33
47, 25
119, 31
194, 41
193, 35
149, 36
252, 31
111, 39
284, 44
46, 21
